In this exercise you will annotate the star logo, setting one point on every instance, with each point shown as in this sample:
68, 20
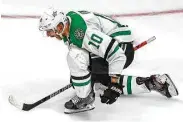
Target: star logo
79, 34
54, 13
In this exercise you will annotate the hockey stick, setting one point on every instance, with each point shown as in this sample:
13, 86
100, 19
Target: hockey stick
144, 43
27, 107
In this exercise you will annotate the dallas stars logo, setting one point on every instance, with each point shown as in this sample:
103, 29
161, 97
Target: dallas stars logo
79, 34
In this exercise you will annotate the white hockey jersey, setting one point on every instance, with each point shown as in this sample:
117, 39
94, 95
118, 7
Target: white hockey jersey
96, 33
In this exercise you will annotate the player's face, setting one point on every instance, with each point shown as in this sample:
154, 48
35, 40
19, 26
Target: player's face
60, 28
53, 33
50, 33
56, 32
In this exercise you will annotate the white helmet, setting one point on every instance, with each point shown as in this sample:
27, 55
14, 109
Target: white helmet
51, 18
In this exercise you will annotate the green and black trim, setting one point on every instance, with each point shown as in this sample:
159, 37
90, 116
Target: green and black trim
107, 55
82, 77
81, 81
109, 48
114, 51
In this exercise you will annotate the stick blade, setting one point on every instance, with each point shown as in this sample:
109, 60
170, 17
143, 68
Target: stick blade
15, 103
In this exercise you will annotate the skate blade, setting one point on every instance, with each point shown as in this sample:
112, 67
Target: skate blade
87, 108
172, 88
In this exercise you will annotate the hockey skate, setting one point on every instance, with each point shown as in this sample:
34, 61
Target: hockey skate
76, 104
163, 84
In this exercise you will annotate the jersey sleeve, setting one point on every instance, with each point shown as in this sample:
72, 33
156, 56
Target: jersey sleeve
104, 46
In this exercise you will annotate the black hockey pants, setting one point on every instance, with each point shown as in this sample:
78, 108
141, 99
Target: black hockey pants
99, 66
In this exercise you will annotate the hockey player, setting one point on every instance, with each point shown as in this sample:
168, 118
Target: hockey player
99, 49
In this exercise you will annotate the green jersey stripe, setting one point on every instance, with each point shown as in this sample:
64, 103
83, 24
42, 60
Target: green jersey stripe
129, 87
121, 33
81, 84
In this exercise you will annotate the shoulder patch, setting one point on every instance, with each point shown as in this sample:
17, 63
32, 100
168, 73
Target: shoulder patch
79, 33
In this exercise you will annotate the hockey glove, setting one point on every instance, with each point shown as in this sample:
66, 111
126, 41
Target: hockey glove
111, 94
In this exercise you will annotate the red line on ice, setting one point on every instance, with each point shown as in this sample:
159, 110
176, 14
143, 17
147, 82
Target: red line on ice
114, 15
149, 13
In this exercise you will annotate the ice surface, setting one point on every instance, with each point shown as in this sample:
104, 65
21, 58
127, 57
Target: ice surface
32, 66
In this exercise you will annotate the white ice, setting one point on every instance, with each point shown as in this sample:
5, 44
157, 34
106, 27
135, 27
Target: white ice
32, 66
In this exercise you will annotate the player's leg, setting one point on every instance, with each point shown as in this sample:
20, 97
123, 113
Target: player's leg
99, 67
160, 83
137, 85
78, 62
134, 85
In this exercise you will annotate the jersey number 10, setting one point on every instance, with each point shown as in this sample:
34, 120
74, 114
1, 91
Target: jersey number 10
95, 41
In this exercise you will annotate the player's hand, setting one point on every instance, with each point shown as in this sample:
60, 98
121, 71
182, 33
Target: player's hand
111, 94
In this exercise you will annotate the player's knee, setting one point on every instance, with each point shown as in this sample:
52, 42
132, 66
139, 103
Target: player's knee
78, 61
